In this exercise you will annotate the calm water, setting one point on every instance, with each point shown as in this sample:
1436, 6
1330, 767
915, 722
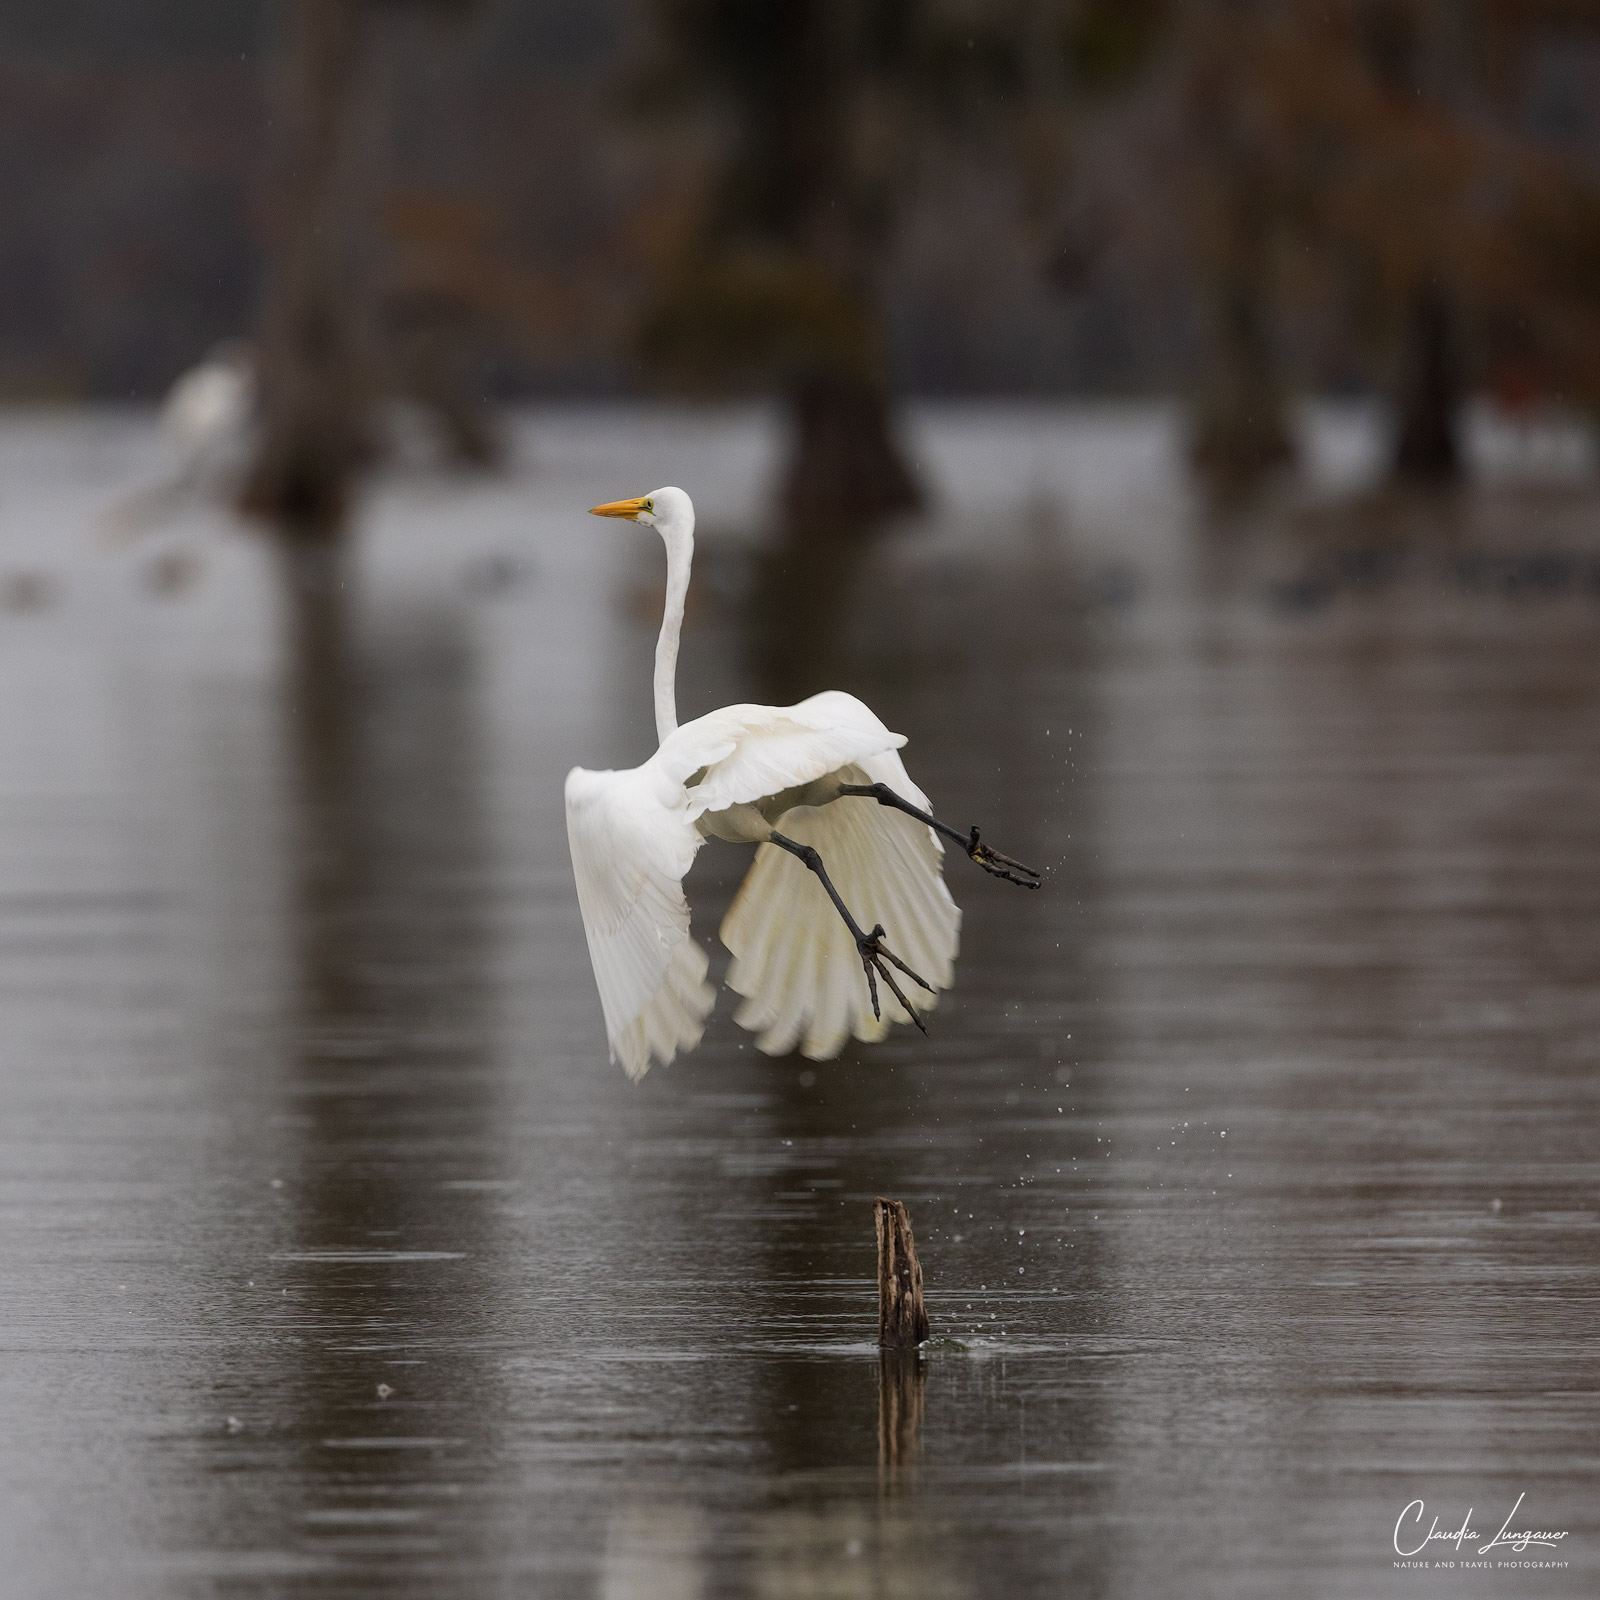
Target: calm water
1253, 1163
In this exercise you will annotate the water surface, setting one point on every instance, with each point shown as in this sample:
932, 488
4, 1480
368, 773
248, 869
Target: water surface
1253, 1162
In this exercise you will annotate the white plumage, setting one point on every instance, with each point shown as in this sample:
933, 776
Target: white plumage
793, 958
751, 774
635, 833
209, 418
632, 841
208, 408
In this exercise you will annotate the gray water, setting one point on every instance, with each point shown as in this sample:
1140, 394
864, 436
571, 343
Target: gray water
1252, 1162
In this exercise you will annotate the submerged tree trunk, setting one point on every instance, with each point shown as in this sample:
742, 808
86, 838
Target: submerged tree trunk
1430, 393
314, 374
846, 469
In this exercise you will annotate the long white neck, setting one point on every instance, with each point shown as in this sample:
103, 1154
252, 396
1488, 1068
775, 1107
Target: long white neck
679, 540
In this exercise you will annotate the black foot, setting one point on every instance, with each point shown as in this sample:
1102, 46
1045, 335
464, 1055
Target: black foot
872, 949
990, 860
873, 955
998, 865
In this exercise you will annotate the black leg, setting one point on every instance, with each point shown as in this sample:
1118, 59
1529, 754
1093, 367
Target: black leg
990, 860
873, 951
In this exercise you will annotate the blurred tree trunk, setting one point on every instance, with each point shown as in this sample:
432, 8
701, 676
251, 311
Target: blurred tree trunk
805, 182
1239, 426
1431, 392
1240, 430
315, 391
425, 344
845, 465
782, 277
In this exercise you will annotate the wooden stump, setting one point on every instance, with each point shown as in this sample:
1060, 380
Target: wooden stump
902, 1317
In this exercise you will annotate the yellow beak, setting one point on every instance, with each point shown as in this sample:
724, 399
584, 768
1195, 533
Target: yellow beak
619, 508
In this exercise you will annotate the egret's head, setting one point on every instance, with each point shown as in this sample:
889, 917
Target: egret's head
666, 509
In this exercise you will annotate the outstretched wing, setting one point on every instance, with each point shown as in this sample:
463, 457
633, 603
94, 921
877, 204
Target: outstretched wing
793, 957
632, 841
745, 753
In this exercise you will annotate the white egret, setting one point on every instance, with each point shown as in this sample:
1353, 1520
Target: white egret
787, 779
209, 418
211, 407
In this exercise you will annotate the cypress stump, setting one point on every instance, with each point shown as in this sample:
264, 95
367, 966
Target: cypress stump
902, 1317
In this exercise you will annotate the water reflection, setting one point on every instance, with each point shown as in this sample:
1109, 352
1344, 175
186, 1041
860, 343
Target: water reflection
802, 595
386, 1083
902, 1386
655, 1552
847, 1549
1251, 1161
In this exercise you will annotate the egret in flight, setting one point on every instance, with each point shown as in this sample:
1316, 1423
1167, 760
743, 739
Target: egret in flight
839, 828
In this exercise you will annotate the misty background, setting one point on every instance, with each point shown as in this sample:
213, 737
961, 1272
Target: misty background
1239, 203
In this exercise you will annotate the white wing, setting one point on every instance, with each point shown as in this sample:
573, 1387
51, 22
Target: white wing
632, 841
794, 959
745, 753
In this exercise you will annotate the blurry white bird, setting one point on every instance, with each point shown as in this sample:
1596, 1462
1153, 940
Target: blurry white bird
786, 779
209, 407
209, 418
